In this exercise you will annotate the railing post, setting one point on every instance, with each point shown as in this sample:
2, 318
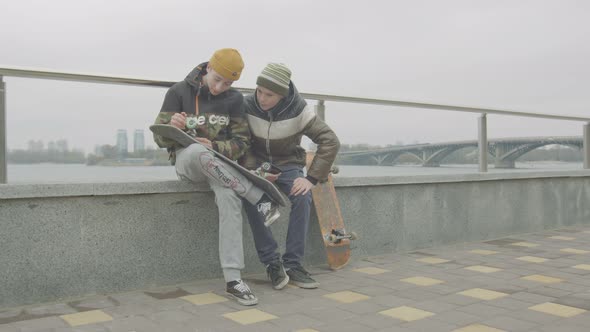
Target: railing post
320, 110
482, 142
3, 159
587, 145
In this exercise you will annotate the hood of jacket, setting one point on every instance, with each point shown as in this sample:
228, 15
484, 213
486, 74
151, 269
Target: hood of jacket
289, 107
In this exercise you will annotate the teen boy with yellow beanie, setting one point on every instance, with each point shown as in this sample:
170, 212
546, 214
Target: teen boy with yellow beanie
206, 106
278, 117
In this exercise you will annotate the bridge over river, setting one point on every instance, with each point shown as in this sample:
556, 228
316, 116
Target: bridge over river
505, 151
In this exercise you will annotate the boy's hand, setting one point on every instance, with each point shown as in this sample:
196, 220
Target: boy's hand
178, 120
301, 186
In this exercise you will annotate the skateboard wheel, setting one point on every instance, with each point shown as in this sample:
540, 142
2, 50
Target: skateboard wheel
332, 238
353, 236
191, 123
335, 170
266, 166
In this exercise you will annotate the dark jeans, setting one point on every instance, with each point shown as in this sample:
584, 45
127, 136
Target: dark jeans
266, 246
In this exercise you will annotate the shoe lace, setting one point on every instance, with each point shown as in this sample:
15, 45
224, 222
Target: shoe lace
273, 267
242, 287
302, 270
264, 207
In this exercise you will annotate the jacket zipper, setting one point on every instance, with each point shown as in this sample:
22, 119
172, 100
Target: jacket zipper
268, 138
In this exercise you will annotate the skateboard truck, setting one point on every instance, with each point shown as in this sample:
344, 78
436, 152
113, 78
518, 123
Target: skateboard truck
338, 235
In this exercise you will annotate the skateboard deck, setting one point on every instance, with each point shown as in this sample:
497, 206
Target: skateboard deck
336, 239
185, 140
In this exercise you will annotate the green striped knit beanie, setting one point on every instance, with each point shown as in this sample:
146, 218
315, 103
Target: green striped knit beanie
275, 77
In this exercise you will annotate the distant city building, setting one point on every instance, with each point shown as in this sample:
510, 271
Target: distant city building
138, 140
51, 147
35, 146
62, 145
122, 142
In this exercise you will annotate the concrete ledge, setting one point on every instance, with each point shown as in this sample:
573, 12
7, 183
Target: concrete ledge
19, 191
68, 240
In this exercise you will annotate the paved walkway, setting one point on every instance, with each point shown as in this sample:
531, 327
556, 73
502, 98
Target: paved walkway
533, 282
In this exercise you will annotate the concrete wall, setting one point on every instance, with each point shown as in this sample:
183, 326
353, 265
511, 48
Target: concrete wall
60, 241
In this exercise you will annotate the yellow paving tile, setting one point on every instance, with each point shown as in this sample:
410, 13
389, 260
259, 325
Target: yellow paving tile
432, 260
422, 281
407, 314
478, 328
582, 267
564, 238
483, 252
482, 269
524, 244
557, 309
574, 251
532, 259
542, 279
205, 298
251, 316
87, 317
347, 297
371, 270
482, 294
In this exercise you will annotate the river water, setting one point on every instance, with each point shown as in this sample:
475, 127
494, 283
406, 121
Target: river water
77, 173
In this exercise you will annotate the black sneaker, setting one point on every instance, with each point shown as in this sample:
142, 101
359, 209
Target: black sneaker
241, 292
301, 278
277, 275
270, 211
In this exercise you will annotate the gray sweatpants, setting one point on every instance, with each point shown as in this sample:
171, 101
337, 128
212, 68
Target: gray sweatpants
197, 164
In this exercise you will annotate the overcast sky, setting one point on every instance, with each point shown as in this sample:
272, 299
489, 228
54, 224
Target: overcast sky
527, 55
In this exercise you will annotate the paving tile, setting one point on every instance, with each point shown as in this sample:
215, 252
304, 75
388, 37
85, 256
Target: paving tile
406, 313
432, 260
422, 281
87, 317
509, 303
205, 298
563, 238
542, 279
482, 269
482, 294
458, 318
574, 251
585, 267
41, 324
574, 301
250, 316
478, 328
525, 244
557, 309
296, 321
484, 252
532, 259
429, 324
347, 297
482, 310
371, 270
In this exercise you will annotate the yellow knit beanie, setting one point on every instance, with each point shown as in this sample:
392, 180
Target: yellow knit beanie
228, 63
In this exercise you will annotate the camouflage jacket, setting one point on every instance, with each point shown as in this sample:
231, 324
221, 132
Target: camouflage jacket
221, 118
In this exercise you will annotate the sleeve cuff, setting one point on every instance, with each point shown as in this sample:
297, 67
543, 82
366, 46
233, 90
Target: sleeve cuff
311, 179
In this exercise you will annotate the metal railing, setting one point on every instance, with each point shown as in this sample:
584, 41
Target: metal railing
320, 107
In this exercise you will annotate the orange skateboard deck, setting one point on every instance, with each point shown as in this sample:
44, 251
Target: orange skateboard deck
336, 239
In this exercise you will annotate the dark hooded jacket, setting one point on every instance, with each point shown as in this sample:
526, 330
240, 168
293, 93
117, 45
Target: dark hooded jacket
221, 118
276, 135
